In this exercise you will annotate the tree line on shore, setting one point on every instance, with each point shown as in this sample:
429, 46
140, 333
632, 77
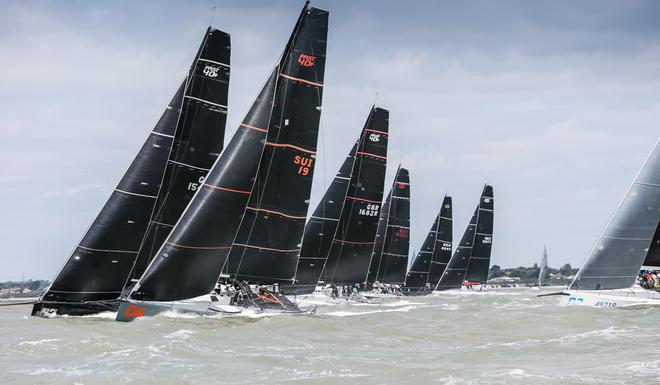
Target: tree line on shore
531, 274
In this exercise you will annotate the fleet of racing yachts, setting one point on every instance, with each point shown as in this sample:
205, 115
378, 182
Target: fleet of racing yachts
199, 226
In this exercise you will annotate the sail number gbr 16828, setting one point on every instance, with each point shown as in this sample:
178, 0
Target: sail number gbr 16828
370, 211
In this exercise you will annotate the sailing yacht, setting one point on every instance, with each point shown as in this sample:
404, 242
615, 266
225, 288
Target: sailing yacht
239, 207
433, 257
607, 277
389, 258
544, 267
153, 192
339, 237
470, 263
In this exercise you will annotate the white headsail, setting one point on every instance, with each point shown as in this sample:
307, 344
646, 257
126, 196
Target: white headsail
616, 258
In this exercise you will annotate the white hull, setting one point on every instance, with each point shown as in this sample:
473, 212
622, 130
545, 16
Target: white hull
620, 298
322, 296
368, 294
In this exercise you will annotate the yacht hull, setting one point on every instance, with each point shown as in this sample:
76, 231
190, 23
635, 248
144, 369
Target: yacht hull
53, 309
623, 298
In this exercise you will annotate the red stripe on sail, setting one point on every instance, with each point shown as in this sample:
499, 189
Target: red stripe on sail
198, 247
254, 128
301, 80
266, 248
354, 243
370, 154
361, 199
276, 213
226, 189
376, 131
291, 146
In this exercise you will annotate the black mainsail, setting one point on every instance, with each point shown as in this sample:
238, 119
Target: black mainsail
190, 261
197, 144
186, 139
627, 240
418, 274
389, 259
457, 268
652, 258
477, 270
268, 242
320, 230
350, 251
432, 259
443, 243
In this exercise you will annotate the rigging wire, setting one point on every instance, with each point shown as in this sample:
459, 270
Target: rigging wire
212, 16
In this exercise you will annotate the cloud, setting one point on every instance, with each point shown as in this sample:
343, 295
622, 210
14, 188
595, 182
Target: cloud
555, 104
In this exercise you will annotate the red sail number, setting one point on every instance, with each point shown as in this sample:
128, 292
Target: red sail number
306, 60
304, 164
401, 233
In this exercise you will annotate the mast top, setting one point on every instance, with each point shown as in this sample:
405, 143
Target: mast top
212, 17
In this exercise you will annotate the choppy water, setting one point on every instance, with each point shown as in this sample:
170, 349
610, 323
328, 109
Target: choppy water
504, 337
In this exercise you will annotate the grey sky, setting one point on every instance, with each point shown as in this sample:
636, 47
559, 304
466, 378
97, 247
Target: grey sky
554, 103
